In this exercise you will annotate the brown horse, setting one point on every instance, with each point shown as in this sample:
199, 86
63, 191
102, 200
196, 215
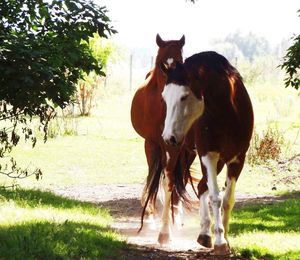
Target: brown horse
206, 96
147, 117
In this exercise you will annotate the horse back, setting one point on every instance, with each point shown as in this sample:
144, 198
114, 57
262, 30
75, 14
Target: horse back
227, 122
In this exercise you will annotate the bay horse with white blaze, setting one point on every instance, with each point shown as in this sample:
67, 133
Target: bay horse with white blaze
206, 97
172, 164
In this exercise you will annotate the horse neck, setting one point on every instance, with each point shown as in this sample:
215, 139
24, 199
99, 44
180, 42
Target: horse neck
157, 80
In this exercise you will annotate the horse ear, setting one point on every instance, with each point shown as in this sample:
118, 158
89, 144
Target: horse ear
182, 40
159, 41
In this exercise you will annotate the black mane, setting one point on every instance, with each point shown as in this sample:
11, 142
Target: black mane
177, 75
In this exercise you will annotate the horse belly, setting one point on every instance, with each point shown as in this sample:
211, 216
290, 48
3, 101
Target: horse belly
146, 115
228, 137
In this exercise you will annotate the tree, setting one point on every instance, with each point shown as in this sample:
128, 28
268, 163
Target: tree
291, 63
44, 51
249, 45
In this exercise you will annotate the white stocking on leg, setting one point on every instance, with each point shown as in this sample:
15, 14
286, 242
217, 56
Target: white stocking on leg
165, 231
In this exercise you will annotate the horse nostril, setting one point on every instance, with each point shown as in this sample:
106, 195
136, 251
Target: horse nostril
173, 140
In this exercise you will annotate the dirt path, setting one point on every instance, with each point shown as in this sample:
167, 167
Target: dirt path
123, 201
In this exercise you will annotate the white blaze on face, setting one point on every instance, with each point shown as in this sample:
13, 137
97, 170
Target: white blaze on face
183, 108
170, 61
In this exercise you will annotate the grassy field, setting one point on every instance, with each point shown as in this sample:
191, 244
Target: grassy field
39, 225
106, 149
267, 231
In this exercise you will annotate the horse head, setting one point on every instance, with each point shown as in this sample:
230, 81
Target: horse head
169, 52
183, 106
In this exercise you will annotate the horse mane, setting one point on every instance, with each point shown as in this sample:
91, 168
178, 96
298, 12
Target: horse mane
214, 66
149, 74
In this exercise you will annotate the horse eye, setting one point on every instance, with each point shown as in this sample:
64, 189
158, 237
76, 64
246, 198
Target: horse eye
184, 98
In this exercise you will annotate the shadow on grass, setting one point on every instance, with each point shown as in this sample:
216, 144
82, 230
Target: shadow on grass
37, 198
68, 240
280, 216
46, 239
74, 240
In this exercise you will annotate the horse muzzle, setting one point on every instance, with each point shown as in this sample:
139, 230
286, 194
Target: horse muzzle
172, 140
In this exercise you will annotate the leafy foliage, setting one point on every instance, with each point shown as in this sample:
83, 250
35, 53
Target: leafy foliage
44, 51
291, 63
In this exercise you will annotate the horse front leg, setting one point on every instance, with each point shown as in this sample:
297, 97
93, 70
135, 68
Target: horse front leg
210, 162
164, 236
204, 238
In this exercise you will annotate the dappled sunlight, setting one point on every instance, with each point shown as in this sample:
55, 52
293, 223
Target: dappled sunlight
33, 222
24, 205
267, 229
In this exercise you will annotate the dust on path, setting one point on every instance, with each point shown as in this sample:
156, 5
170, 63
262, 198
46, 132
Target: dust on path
123, 202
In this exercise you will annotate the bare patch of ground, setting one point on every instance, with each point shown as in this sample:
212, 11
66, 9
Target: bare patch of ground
123, 202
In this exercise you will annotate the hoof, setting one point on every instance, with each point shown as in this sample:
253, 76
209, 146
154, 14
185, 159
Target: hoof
221, 249
204, 240
164, 239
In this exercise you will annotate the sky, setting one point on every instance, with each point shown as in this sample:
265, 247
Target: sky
138, 21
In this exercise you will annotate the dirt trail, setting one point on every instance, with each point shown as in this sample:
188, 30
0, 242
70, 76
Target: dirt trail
123, 201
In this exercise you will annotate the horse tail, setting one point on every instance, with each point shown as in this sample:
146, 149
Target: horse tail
192, 179
192, 176
153, 180
181, 176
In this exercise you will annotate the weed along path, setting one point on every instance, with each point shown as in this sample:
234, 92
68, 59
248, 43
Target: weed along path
123, 202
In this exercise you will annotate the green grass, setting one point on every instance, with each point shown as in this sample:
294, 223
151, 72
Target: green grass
106, 150
41, 225
277, 106
267, 231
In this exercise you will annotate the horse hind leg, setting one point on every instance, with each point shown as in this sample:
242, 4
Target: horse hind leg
234, 168
177, 211
149, 211
164, 236
186, 159
153, 155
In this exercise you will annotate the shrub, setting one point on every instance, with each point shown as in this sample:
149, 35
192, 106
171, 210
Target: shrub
267, 147
62, 126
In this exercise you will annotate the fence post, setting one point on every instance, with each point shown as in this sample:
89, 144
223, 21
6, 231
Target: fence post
151, 63
130, 73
